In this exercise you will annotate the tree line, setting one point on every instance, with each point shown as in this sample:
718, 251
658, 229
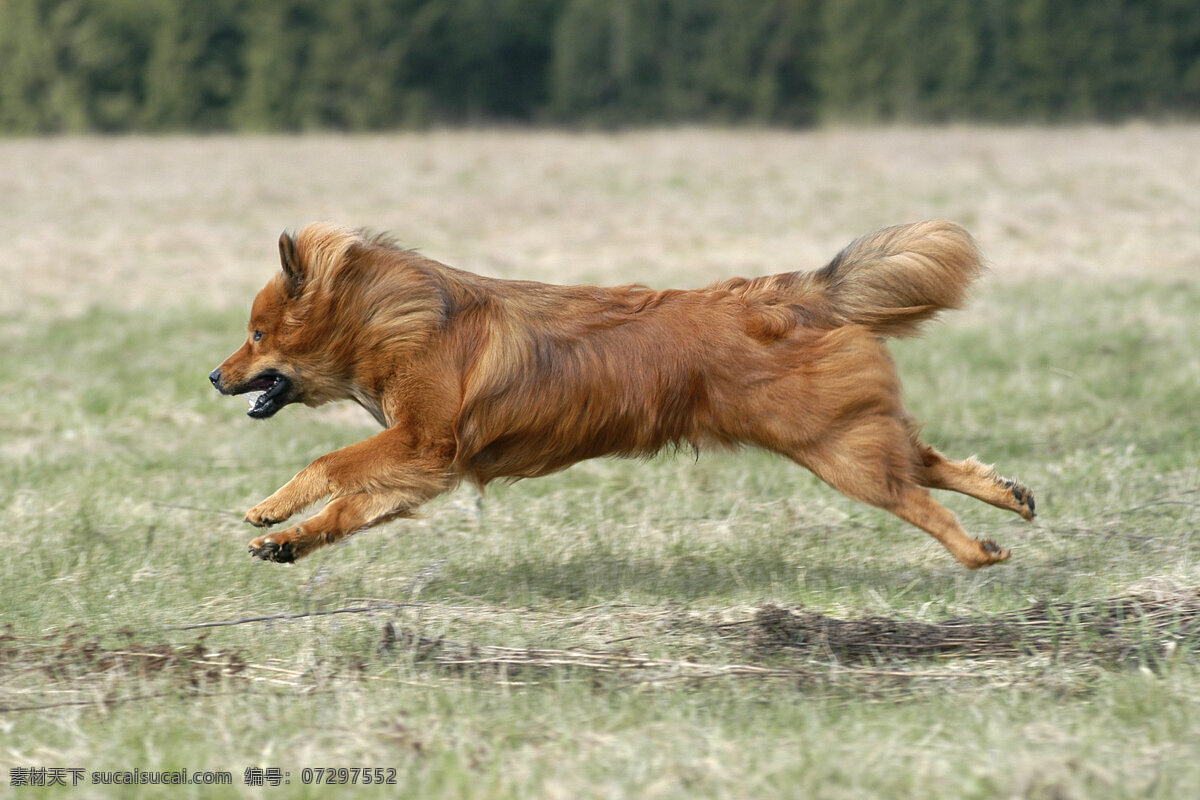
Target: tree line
290, 65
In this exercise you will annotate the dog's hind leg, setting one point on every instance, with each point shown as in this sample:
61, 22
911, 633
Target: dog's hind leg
970, 477
914, 504
873, 461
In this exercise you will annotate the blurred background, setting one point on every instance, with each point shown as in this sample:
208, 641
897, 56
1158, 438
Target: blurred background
353, 65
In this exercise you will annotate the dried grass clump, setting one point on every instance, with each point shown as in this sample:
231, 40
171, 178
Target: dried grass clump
1136, 627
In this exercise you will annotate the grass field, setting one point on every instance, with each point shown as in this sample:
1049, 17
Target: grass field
715, 627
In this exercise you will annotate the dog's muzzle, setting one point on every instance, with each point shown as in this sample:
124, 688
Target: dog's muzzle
269, 391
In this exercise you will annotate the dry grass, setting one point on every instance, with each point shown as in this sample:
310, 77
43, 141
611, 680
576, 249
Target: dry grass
142, 222
722, 627
1144, 628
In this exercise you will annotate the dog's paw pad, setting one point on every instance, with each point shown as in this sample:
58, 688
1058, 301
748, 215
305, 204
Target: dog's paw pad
1024, 498
994, 553
269, 550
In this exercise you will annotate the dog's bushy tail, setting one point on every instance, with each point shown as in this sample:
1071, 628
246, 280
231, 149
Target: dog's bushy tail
894, 279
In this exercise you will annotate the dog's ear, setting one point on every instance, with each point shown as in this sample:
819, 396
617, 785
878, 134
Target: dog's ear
290, 261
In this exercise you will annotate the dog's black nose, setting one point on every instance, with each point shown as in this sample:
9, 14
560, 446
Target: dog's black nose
215, 377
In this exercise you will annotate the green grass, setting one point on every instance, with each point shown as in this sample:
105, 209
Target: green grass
123, 478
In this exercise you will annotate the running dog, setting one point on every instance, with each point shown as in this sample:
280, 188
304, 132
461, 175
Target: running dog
477, 378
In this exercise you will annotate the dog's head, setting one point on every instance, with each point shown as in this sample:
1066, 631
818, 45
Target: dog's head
285, 357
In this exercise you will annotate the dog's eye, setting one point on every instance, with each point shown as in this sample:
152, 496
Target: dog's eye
257, 335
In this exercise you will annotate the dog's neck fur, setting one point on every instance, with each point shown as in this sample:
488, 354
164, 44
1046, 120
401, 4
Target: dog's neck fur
371, 404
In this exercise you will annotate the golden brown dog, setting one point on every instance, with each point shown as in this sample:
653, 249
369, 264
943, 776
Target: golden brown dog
479, 378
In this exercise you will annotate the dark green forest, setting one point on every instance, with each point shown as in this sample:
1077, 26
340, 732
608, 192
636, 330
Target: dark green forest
292, 65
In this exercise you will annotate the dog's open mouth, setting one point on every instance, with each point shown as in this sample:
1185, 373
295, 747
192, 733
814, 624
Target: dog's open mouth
268, 393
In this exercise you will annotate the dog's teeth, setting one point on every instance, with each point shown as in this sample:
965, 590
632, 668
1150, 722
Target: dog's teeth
253, 397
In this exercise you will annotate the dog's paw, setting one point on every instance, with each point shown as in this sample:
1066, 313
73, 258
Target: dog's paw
1024, 497
266, 514
268, 549
991, 553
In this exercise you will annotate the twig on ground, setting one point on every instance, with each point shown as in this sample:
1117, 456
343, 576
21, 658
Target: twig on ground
381, 606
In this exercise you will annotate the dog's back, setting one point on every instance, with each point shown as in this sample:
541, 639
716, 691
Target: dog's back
587, 371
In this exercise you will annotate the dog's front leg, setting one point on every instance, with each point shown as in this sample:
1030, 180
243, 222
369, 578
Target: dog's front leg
309, 486
376, 479
342, 517
387, 459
